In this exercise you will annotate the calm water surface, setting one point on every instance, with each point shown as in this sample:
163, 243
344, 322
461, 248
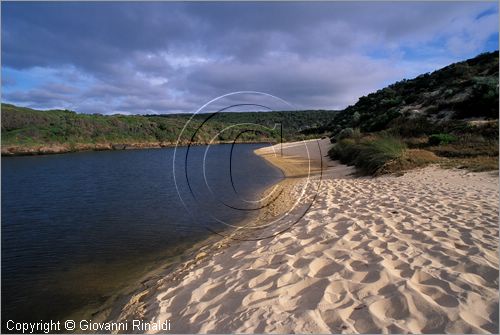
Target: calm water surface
78, 227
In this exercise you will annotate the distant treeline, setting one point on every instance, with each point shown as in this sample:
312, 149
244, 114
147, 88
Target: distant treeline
29, 131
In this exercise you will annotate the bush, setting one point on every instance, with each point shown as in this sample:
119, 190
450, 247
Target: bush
356, 117
348, 133
437, 139
345, 133
346, 151
406, 126
368, 155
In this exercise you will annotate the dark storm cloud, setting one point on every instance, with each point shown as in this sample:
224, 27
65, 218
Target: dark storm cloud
172, 57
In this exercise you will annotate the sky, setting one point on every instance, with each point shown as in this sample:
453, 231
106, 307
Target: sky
173, 57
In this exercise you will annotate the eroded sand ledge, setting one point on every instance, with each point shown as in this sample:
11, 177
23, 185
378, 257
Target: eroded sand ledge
417, 253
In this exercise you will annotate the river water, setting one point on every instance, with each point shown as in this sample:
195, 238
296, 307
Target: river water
78, 227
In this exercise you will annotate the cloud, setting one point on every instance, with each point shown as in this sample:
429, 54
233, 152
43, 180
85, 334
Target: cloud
173, 57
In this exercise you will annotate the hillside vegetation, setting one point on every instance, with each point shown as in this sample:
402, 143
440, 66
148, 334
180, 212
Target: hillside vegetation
449, 116
28, 131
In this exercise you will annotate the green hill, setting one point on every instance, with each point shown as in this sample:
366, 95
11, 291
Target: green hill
449, 116
465, 90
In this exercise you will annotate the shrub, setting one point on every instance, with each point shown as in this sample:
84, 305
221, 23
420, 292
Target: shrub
407, 126
345, 133
437, 139
346, 151
356, 117
368, 155
348, 133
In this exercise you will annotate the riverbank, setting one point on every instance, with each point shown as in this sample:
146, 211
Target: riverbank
134, 303
175, 267
63, 148
416, 253
130, 221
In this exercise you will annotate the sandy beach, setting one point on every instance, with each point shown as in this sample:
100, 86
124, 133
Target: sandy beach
416, 253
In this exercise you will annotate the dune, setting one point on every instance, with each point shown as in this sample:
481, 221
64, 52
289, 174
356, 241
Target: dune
416, 253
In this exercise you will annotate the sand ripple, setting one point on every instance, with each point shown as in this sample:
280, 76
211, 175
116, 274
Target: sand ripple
417, 253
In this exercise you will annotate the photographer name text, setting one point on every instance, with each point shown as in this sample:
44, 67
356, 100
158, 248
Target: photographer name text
86, 325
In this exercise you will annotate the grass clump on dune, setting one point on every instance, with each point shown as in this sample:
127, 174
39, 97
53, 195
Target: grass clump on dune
381, 154
369, 155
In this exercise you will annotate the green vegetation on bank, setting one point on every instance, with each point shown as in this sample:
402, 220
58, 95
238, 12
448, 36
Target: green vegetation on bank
25, 130
375, 155
448, 117
370, 156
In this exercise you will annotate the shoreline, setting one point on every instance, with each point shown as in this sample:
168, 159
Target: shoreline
130, 299
295, 169
414, 253
57, 149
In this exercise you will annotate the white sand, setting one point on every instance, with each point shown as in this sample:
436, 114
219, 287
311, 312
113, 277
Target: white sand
301, 158
417, 253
